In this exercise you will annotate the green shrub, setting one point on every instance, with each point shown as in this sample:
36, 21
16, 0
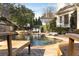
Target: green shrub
42, 29
61, 30
76, 31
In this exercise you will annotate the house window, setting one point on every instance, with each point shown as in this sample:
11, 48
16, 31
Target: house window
66, 19
60, 19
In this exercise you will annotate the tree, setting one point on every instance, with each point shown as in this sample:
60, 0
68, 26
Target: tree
48, 13
21, 15
52, 24
47, 27
0, 8
17, 13
35, 23
4, 10
39, 22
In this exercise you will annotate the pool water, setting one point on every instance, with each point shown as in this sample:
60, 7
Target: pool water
39, 40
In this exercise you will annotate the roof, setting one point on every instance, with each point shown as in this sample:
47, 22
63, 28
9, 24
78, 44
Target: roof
62, 10
2, 23
8, 22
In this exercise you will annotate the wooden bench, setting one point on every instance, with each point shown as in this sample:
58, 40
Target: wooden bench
72, 37
15, 44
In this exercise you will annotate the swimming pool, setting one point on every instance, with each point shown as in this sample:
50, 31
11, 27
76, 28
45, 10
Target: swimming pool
39, 40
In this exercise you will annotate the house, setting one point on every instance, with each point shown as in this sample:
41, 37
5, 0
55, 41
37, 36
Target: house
6, 25
46, 18
64, 16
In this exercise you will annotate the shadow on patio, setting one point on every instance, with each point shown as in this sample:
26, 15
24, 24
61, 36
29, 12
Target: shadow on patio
4, 52
64, 49
34, 52
24, 52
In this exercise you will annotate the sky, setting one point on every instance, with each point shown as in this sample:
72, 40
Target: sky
38, 8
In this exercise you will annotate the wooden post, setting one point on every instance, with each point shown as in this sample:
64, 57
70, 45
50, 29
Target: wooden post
71, 47
29, 49
9, 45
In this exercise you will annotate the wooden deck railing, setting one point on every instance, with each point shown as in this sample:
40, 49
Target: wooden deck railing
9, 41
72, 37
